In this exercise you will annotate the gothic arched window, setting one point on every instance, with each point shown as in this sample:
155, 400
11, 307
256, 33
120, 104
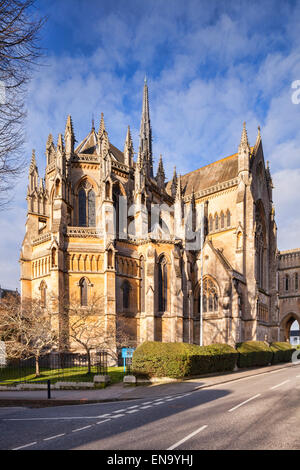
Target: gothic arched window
91, 209
210, 297
162, 284
86, 205
126, 294
82, 207
83, 292
43, 291
210, 223
142, 285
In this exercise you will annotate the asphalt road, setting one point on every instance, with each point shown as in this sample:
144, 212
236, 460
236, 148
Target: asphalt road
258, 412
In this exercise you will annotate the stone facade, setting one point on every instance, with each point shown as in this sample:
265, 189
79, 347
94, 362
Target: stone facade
148, 264
289, 290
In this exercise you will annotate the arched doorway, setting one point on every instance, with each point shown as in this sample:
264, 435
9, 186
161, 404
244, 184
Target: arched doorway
288, 324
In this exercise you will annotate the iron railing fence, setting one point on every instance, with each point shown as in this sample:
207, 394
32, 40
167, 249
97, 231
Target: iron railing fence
56, 367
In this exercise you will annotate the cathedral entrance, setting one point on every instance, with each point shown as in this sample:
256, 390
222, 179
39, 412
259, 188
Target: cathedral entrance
289, 324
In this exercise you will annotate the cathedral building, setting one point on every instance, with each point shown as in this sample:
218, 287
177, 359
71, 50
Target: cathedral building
191, 259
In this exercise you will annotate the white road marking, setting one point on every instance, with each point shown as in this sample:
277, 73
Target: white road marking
81, 429
118, 411
132, 411
54, 437
134, 406
279, 385
187, 437
145, 407
27, 445
147, 402
48, 419
117, 416
103, 416
244, 402
104, 421
158, 403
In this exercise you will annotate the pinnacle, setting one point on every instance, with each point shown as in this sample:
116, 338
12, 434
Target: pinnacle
244, 137
69, 125
102, 125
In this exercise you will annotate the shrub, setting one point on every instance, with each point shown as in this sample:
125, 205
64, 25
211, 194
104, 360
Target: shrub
282, 352
253, 353
156, 359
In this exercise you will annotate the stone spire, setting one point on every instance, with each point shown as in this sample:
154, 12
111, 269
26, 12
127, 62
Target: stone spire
244, 138
179, 189
33, 173
69, 136
60, 144
50, 149
145, 148
128, 149
160, 176
103, 138
174, 183
258, 139
244, 153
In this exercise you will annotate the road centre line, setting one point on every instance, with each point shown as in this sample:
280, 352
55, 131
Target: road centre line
104, 421
244, 402
117, 411
81, 429
118, 416
54, 437
26, 445
187, 437
279, 385
132, 411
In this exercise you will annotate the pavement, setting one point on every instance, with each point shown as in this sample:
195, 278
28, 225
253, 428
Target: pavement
121, 392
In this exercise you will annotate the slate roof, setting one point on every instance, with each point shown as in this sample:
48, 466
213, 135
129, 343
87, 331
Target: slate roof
89, 146
209, 175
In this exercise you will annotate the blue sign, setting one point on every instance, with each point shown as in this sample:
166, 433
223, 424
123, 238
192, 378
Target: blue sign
127, 352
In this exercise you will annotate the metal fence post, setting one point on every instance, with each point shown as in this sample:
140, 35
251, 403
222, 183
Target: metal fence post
48, 389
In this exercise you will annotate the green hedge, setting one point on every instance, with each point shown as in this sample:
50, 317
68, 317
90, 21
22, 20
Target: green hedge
156, 359
254, 353
282, 352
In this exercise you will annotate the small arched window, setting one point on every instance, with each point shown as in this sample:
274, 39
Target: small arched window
107, 190
296, 281
222, 220
286, 282
228, 217
43, 292
83, 292
210, 223
53, 258
216, 222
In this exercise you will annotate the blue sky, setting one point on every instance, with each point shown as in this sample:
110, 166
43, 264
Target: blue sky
210, 65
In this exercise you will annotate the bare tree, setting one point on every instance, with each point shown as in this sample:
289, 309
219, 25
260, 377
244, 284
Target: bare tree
88, 328
26, 330
19, 51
